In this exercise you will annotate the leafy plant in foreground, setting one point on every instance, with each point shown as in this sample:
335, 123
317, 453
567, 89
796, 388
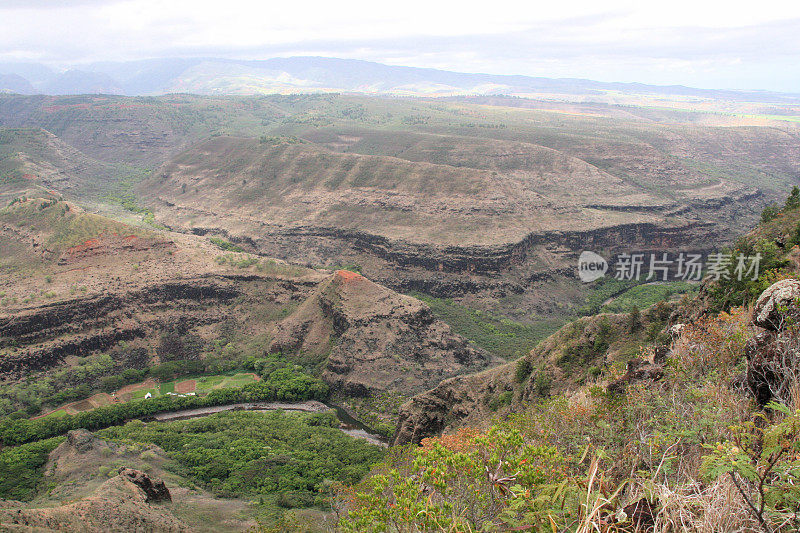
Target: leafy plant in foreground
764, 465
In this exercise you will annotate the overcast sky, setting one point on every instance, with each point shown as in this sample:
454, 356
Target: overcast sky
696, 43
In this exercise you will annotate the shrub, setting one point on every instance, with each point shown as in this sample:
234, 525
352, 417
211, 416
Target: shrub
522, 370
21, 468
725, 294
770, 213
466, 482
225, 245
634, 319
542, 381
793, 201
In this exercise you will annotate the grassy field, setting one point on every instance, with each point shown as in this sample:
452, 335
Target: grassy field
643, 296
200, 386
58, 413
500, 336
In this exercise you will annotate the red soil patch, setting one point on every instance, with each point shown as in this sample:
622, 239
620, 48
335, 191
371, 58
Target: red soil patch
183, 387
347, 275
109, 244
91, 243
28, 177
100, 399
83, 405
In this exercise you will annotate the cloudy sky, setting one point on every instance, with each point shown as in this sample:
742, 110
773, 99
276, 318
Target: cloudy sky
696, 43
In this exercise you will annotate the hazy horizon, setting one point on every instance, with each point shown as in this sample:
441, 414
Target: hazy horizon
700, 46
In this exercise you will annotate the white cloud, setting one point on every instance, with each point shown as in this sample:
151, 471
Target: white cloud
684, 41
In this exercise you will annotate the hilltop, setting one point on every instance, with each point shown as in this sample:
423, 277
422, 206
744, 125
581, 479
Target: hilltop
478, 193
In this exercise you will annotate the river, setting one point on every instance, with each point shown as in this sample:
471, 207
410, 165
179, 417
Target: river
347, 423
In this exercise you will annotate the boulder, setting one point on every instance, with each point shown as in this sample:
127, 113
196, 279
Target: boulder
676, 330
777, 307
661, 354
154, 490
637, 371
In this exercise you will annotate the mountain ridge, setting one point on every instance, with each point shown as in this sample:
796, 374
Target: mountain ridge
325, 74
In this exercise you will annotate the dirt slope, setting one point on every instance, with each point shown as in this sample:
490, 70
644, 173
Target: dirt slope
489, 219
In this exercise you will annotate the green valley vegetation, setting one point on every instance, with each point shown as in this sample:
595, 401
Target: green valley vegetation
500, 336
282, 460
610, 295
21, 468
643, 296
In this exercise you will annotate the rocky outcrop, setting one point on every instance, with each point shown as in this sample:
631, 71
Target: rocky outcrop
81, 440
773, 353
637, 371
40, 337
779, 306
155, 491
452, 402
298, 243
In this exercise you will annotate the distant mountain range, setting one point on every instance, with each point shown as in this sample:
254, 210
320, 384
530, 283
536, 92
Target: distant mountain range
317, 74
